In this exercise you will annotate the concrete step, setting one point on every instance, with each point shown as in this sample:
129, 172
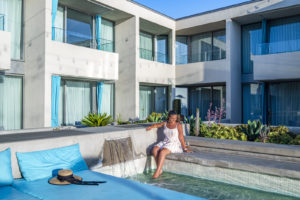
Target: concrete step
291, 151
240, 162
246, 153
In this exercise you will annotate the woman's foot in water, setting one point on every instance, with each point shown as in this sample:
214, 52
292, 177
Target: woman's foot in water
156, 175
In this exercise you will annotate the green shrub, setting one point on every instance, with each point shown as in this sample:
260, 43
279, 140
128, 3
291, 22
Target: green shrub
94, 120
155, 117
296, 140
280, 135
252, 129
223, 132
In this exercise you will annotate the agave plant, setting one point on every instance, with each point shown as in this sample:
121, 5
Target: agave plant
94, 120
252, 130
155, 117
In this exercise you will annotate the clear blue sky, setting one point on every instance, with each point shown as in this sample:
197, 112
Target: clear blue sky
181, 8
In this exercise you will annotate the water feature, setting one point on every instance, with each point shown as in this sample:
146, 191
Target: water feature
206, 189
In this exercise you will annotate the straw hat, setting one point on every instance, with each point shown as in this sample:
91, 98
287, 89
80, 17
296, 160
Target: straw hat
64, 173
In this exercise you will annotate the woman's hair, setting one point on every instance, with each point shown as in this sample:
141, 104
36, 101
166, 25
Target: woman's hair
171, 112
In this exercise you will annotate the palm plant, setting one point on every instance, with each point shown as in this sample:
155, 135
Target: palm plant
95, 120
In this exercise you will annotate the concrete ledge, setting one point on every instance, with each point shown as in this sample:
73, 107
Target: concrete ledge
254, 147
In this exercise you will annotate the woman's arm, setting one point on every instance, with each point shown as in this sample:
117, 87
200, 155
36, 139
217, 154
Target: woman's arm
155, 126
181, 138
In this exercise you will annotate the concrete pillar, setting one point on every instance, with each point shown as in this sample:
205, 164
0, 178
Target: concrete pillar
233, 76
127, 88
35, 12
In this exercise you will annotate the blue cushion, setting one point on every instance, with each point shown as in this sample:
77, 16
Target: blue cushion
6, 177
114, 189
9, 193
42, 164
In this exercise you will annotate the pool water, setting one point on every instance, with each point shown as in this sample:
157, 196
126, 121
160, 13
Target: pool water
206, 189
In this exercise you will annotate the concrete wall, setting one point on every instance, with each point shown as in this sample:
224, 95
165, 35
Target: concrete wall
34, 87
127, 37
276, 66
5, 63
91, 141
233, 72
201, 72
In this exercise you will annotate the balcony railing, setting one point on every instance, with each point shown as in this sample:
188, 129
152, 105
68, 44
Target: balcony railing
2, 22
81, 39
201, 57
154, 56
277, 47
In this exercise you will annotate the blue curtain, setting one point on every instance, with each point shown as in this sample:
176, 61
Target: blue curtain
162, 49
99, 95
181, 50
55, 101
107, 100
146, 46
251, 39
200, 97
54, 10
98, 31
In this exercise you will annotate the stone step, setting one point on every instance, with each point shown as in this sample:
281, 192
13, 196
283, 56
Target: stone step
240, 162
291, 151
246, 153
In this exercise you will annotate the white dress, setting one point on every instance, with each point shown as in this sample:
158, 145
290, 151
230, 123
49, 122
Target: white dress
171, 140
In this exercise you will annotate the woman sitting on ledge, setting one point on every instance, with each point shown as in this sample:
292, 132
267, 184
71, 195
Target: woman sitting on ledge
173, 142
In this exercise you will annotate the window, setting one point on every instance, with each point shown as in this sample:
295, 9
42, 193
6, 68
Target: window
153, 99
78, 98
284, 100
11, 102
146, 46
181, 50
219, 45
162, 49
252, 102
202, 97
201, 47
11, 21
251, 38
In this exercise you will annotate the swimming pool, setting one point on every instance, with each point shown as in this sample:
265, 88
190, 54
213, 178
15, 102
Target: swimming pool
206, 189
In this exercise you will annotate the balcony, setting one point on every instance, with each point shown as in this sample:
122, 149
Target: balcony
277, 47
76, 56
5, 46
201, 72
83, 40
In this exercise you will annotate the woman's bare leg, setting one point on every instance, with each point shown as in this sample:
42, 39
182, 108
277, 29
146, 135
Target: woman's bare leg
161, 158
155, 152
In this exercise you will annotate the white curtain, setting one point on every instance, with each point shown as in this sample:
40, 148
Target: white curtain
78, 101
11, 102
12, 11
145, 101
107, 105
107, 35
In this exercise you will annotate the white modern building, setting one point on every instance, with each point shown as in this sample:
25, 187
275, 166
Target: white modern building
61, 59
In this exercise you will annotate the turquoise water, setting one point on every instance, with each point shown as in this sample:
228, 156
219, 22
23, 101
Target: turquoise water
206, 189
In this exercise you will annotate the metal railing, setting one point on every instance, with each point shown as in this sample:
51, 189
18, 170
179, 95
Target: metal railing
201, 56
154, 56
2, 22
80, 39
277, 47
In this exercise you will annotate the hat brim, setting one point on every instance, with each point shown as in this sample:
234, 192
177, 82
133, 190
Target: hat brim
55, 181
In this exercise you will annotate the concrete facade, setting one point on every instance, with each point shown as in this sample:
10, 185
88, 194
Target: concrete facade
44, 57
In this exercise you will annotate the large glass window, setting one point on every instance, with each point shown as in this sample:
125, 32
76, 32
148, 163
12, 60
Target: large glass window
78, 98
284, 99
252, 102
251, 38
146, 46
219, 45
181, 50
11, 20
284, 35
201, 47
11, 100
107, 35
162, 49
79, 29
202, 97
153, 99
